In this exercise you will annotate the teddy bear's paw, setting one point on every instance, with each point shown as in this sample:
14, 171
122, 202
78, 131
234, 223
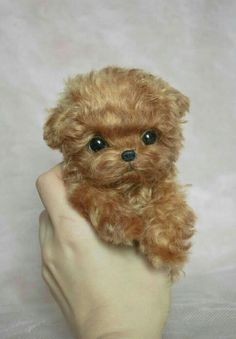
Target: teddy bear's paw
155, 261
176, 272
114, 234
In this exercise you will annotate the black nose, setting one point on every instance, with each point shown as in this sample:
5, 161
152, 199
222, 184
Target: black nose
128, 155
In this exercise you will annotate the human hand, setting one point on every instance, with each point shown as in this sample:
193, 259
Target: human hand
104, 291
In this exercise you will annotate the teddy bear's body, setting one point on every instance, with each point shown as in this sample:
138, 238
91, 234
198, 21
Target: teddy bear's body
119, 131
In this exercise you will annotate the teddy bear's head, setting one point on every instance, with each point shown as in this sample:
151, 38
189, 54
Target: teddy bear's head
118, 124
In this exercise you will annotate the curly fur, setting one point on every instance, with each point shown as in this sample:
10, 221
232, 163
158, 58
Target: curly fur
131, 203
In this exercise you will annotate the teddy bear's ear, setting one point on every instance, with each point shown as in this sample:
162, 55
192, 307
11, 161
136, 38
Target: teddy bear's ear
183, 103
53, 128
180, 102
177, 101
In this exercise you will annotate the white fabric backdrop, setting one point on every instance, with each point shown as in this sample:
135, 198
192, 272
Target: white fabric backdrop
192, 45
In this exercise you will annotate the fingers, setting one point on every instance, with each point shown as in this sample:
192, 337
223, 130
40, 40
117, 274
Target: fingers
44, 224
52, 193
47, 250
56, 292
51, 190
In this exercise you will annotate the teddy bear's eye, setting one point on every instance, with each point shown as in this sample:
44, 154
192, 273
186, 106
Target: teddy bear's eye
97, 143
149, 137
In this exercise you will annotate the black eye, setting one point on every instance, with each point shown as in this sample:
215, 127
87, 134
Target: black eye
149, 137
97, 143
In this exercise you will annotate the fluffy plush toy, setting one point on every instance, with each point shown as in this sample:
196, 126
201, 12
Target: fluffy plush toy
120, 134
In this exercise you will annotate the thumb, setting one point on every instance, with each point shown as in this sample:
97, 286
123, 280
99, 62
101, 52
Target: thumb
52, 193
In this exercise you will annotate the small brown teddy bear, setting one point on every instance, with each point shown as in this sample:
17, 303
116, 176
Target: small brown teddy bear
120, 134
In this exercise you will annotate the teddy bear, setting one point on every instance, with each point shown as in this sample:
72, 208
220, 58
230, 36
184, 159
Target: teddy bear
120, 132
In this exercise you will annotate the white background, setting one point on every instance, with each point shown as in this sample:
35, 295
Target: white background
189, 43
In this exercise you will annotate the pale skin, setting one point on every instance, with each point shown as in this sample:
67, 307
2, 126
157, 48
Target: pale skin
104, 291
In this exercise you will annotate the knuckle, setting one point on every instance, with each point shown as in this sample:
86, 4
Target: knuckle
40, 181
47, 256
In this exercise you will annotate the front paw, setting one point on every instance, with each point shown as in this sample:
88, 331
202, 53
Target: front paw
174, 269
117, 227
113, 233
163, 251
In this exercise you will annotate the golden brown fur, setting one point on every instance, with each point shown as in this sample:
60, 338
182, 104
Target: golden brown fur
127, 202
